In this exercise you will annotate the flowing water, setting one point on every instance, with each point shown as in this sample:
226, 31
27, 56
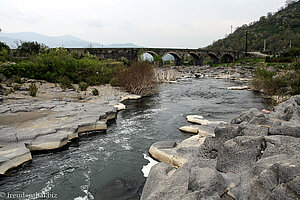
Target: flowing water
108, 166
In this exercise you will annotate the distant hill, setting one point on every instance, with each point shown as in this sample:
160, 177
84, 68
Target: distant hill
121, 45
67, 41
277, 30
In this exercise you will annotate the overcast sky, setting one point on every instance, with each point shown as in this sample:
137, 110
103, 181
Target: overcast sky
150, 23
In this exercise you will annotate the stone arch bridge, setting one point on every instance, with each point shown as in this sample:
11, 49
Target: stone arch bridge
180, 55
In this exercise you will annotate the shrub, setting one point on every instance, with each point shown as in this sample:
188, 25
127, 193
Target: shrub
55, 63
4, 55
139, 78
9, 91
277, 83
33, 89
114, 82
4, 46
83, 86
17, 86
295, 85
95, 92
296, 65
65, 83
16, 79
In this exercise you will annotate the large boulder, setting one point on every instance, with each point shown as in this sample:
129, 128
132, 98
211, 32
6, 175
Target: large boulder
276, 177
288, 110
165, 182
239, 154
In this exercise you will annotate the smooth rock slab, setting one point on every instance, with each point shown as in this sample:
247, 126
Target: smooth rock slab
238, 88
130, 97
93, 126
13, 156
194, 118
120, 106
174, 154
189, 129
197, 119
48, 142
164, 152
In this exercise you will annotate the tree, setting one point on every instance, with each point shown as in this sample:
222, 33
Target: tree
288, 2
30, 48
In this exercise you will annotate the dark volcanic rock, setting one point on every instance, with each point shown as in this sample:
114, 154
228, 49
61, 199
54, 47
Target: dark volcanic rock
256, 156
239, 154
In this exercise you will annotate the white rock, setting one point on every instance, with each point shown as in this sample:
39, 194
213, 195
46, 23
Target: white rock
130, 97
238, 88
189, 129
199, 120
120, 106
12, 157
194, 118
194, 141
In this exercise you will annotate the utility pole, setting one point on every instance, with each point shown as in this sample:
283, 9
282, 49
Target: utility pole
231, 29
265, 43
290, 43
246, 44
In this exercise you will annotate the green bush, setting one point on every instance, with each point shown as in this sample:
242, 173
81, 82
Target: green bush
65, 83
114, 82
17, 86
83, 86
264, 73
295, 85
280, 82
296, 66
9, 91
33, 89
95, 92
56, 63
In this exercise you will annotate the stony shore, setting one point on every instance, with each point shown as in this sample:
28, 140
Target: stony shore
241, 74
255, 156
52, 119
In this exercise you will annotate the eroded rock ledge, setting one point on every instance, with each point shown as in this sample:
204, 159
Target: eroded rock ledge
49, 125
256, 156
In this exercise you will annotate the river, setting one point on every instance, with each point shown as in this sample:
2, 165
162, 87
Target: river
108, 165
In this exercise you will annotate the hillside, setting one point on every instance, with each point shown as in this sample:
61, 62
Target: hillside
67, 41
277, 30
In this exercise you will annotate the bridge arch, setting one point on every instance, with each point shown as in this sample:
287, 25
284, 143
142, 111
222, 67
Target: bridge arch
148, 56
178, 59
227, 58
152, 53
215, 59
197, 60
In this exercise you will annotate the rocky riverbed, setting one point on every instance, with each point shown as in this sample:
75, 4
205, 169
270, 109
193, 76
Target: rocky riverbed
255, 156
237, 73
52, 119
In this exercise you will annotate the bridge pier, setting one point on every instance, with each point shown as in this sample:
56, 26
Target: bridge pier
178, 61
197, 61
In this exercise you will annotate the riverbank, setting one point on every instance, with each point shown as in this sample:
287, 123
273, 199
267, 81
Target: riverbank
52, 119
242, 74
255, 156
